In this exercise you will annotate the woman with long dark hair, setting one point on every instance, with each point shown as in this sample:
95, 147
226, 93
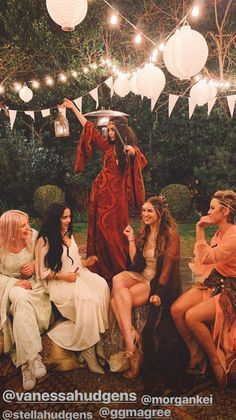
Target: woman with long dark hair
154, 273
118, 186
211, 302
82, 297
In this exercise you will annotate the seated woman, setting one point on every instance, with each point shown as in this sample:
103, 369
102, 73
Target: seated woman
213, 301
152, 253
82, 297
22, 297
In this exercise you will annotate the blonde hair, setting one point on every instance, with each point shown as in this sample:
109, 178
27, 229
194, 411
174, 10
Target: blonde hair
10, 231
227, 198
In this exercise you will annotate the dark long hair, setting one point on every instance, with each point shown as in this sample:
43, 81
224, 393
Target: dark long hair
128, 136
167, 226
51, 231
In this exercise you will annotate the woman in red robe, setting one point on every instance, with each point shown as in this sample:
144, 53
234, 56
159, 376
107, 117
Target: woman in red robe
118, 187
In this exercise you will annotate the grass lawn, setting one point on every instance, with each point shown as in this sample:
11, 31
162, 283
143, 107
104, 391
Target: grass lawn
186, 232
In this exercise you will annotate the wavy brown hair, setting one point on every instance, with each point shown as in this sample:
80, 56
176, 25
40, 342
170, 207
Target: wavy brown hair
128, 136
227, 198
167, 226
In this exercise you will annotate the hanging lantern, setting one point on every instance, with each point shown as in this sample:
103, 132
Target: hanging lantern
150, 81
202, 92
185, 53
61, 125
67, 13
26, 93
122, 86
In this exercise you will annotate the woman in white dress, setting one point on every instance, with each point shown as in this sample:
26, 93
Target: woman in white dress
82, 297
22, 297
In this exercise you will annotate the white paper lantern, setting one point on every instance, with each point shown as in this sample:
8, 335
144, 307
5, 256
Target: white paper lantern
133, 84
67, 13
122, 86
185, 53
202, 92
150, 81
26, 94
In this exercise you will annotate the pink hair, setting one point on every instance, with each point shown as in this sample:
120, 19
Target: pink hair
10, 231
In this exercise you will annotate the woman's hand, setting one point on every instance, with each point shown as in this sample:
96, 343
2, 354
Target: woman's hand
24, 283
129, 150
28, 269
70, 277
67, 104
156, 300
204, 222
129, 233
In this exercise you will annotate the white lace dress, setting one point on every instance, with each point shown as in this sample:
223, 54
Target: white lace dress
31, 309
85, 302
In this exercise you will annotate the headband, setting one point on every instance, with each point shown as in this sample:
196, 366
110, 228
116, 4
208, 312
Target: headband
225, 204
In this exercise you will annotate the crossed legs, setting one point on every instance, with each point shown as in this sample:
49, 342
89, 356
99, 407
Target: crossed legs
127, 294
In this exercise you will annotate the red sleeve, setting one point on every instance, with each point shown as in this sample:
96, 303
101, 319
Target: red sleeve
84, 149
135, 186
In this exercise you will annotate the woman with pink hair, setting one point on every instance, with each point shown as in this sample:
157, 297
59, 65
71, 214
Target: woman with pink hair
25, 307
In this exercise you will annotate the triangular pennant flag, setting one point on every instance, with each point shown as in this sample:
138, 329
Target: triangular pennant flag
109, 83
78, 103
30, 113
63, 111
94, 94
210, 105
45, 112
12, 116
172, 101
191, 106
153, 102
231, 103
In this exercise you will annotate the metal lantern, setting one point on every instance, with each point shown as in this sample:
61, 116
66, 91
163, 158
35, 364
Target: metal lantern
185, 53
26, 93
61, 125
67, 13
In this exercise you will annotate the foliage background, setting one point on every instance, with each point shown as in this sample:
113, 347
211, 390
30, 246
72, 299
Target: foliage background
199, 153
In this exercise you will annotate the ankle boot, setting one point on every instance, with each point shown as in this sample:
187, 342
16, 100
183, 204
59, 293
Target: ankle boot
89, 356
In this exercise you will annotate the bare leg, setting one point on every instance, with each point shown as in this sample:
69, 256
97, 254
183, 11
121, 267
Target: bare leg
195, 319
178, 310
116, 313
128, 293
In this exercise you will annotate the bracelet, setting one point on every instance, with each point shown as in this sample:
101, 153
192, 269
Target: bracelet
132, 240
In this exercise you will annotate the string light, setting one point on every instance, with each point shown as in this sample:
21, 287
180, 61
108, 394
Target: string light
62, 77
138, 39
114, 19
2, 89
35, 84
195, 11
85, 70
17, 86
49, 81
74, 73
161, 46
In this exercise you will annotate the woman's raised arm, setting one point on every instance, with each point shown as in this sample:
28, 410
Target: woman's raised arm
70, 104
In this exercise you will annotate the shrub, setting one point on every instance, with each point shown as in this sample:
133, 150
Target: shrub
46, 195
179, 200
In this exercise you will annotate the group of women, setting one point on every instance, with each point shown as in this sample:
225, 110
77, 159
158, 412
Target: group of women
37, 269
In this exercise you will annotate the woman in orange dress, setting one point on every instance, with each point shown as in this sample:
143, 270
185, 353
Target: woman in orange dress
213, 301
118, 187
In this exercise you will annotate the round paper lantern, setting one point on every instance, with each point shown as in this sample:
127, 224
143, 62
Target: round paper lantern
67, 13
202, 92
26, 94
185, 53
150, 81
122, 86
133, 84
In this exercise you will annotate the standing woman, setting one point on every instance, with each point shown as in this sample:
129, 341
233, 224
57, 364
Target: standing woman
82, 297
212, 302
22, 297
155, 255
118, 186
